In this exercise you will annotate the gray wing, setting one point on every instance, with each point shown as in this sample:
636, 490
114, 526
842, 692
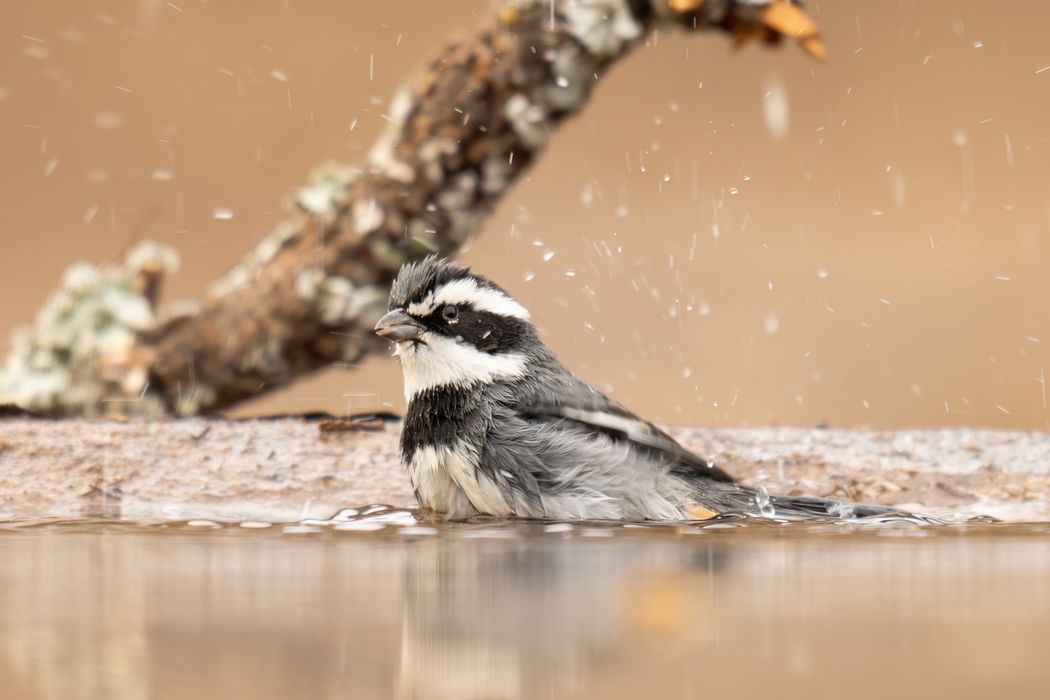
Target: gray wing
573, 401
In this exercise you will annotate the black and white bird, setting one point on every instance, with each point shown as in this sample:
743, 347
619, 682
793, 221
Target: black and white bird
496, 425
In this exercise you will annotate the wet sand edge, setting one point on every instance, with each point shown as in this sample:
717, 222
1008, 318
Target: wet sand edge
289, 468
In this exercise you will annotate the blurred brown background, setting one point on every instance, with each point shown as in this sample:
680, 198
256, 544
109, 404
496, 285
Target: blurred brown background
863, 242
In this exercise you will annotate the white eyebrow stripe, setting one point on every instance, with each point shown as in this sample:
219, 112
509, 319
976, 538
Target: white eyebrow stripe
467, 291
422, 308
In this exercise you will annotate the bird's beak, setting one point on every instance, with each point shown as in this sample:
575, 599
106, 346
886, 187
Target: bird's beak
397, 325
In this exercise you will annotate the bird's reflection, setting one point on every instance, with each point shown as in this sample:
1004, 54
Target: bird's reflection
104, 611
498, 619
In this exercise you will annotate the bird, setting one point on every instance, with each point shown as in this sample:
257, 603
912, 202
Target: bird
496, 425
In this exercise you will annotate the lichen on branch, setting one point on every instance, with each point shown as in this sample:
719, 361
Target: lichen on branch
84, 356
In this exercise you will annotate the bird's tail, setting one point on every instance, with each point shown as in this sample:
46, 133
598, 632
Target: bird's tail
736, 498
812, 507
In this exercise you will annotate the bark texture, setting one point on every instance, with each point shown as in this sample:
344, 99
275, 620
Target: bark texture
461, 134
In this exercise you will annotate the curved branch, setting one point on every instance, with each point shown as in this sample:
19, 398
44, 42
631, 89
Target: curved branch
461, 134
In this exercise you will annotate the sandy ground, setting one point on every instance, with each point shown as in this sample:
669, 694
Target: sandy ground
290, 468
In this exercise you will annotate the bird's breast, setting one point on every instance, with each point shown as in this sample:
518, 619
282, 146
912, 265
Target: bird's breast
446, 479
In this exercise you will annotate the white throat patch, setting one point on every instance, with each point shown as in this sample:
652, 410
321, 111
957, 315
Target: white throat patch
441, 361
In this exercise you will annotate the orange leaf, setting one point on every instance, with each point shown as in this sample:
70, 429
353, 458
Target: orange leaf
684, 5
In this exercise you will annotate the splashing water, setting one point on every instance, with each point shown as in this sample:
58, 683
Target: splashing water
764, 503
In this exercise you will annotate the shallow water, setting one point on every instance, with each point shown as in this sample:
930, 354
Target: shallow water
384, 607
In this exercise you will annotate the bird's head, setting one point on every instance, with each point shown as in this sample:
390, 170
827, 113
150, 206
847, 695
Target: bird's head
454, 328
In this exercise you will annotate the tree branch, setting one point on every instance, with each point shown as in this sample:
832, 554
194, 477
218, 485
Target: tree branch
461, 134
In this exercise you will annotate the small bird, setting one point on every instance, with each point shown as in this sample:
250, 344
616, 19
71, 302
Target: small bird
497, 426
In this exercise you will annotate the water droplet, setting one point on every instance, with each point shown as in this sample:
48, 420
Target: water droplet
771, 324
587, 196
108, 120
776, 110
416, 531
300, 530
764, 503
898, 189
402, 518
596, 532
360, 526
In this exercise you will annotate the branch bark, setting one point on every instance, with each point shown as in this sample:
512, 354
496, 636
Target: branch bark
461, 134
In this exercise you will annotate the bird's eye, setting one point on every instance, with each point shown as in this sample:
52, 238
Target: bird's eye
450, 313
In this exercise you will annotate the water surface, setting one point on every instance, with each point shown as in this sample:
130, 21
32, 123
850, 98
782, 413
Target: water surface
389, 608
